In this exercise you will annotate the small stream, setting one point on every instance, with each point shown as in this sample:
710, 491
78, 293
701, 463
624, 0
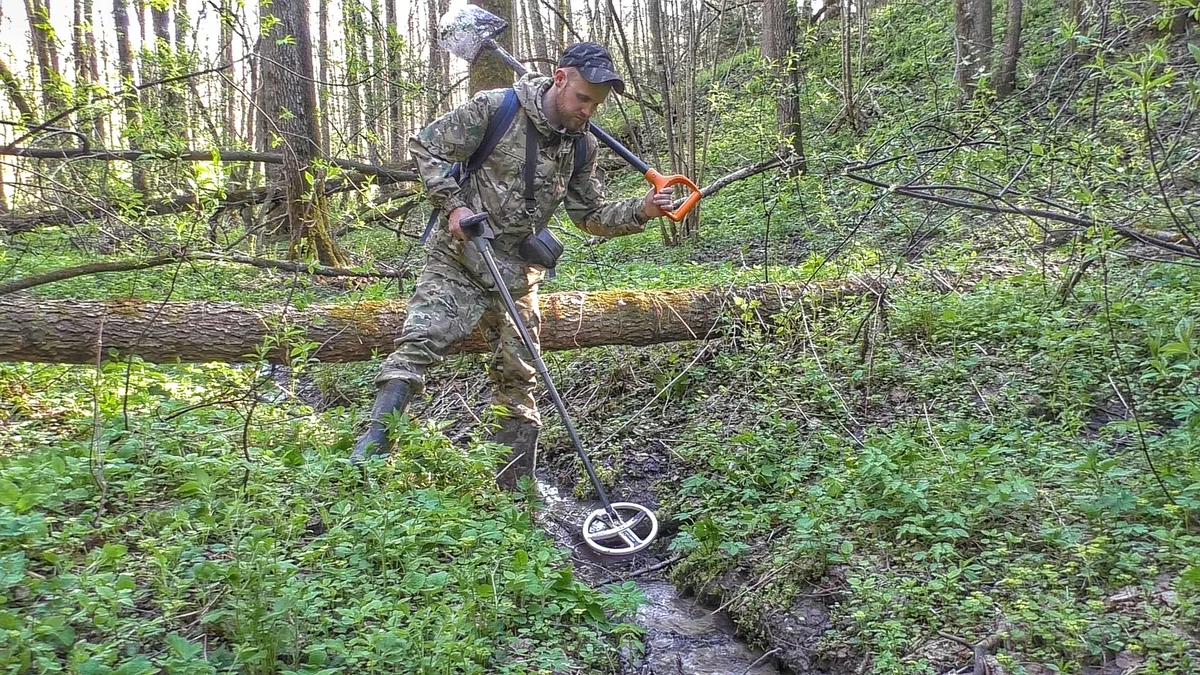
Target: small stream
682, 637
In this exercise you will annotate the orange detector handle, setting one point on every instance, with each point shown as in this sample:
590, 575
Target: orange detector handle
661, 182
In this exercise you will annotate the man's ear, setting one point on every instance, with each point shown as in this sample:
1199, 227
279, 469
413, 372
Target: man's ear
560, 77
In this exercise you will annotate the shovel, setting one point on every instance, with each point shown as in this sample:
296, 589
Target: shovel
466, 30
618, 529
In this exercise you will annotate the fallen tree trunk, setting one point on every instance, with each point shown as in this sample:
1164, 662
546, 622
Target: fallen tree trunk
393, 174
66, 331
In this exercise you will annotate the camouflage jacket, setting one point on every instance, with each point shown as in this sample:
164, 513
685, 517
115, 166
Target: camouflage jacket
498, 187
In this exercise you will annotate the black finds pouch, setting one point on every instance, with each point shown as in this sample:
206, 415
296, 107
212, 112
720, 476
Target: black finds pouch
541, 248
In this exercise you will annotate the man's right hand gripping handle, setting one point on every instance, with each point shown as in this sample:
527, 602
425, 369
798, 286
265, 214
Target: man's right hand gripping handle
456, 218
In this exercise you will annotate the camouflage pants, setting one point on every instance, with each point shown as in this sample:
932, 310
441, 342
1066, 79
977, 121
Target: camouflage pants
446, 307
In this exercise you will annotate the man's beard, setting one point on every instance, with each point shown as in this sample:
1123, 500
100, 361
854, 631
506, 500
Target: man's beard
568, 122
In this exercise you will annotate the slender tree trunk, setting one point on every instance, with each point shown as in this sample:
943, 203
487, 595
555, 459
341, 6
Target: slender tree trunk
964, 57
355, 46
1006, 76
973, 40
13, 87
323, 75
376, 90
433, 76
671, 232
139, 7
395, 93
129, 98
849, 108
443, 7
1075, 19
984, 45
288, 79
779, 47
45, 53
538, 35
490, 71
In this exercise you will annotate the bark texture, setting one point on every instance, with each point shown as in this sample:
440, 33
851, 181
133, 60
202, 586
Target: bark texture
65, 331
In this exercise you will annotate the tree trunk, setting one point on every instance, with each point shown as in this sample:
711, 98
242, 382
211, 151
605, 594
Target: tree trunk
323, 102
355, 45
849, 108
963, 53
395, 134
973, 43
984, 46
1006, 76
660, 30
1075, 20
65, 331
433, 76
13, 88
779, 47
376, 91
45, 54
490, 71
291, 100
129, 99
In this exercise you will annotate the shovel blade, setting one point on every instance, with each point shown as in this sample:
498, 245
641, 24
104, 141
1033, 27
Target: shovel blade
466, 29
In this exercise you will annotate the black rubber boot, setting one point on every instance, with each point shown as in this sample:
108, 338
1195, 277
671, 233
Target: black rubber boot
392, 396
522, 436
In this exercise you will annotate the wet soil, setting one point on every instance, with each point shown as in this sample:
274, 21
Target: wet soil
683, 635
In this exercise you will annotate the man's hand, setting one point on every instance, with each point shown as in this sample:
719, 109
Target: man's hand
455, 216
656, 203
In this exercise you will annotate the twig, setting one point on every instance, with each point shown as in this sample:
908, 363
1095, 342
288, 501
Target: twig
652, 568
760, 660
932, 435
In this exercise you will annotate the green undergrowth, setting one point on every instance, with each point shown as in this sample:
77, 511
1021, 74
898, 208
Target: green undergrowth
182, 536
982, 464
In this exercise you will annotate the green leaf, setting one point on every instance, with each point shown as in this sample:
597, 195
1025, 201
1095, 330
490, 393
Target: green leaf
12, 569
436, 580
113, 552
9, 494
1190, 577
93, 667
137, 666
182, 647
1195, 50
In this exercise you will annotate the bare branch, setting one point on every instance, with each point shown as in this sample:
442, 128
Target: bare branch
64, 273
391, 174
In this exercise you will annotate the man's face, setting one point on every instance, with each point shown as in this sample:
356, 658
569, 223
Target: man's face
577, 98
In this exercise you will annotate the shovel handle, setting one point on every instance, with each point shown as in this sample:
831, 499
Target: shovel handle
661, 182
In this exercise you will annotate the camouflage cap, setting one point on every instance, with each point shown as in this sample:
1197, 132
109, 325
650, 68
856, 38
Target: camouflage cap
594, 63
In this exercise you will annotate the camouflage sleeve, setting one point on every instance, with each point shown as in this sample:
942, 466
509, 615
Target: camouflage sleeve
584, 202
450, 138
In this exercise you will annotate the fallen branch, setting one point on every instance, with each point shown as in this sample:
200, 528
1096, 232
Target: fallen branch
742, 173
62, 274
396, 175
14, 223
650, 569
63, 331
1002, 205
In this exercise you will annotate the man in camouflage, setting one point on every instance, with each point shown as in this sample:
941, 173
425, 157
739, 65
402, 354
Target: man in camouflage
456, 292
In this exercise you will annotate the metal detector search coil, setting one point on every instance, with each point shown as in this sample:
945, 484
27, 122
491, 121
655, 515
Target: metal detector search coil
612, 530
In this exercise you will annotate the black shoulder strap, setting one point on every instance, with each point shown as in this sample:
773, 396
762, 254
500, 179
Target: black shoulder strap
580, 154
497, 126
531, 162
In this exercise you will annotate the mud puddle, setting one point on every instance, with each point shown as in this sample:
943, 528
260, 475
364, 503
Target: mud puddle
683, 637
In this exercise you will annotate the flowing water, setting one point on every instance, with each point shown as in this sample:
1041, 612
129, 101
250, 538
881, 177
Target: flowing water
682, 636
